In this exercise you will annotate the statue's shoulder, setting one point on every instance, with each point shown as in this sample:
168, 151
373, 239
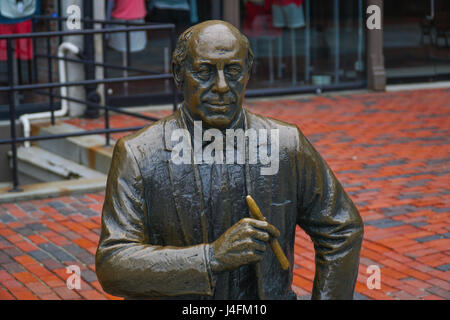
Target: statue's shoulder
152, 136
258, 121
289, 134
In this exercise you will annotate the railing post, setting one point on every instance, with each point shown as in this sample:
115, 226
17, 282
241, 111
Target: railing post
35, 67
172, 82
127, 58
106, 111
50, 74
89, 68
12, 116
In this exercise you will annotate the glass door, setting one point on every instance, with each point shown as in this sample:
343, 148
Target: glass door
417, 40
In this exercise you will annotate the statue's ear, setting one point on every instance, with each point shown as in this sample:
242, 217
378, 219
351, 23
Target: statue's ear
177, 75
249, 62
249, 70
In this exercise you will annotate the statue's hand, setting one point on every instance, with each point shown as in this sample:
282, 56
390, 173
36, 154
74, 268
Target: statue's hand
243, 243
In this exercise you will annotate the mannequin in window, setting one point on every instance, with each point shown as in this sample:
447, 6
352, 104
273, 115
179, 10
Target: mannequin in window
126, 10
288, 14
258, 26
182, 13
132, 11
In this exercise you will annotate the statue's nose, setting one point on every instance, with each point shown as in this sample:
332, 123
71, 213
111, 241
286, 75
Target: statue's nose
220, 85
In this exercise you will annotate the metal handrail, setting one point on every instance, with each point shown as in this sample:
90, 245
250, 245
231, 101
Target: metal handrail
11, 88
84, 32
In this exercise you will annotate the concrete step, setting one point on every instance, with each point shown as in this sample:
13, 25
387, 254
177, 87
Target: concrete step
51, 189
89, 151
38, 165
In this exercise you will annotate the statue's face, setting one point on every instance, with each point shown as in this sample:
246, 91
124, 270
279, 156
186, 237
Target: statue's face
216, 76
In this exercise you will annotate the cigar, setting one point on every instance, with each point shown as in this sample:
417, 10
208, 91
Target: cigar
274, 244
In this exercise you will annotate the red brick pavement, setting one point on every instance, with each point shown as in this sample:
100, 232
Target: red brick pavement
390, 150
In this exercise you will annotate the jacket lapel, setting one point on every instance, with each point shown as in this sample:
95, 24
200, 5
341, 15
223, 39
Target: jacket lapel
259, 187
186, 190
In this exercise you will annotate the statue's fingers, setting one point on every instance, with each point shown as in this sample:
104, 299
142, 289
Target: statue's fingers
274, 232
267, 227
252, 256
260, 235
249, 244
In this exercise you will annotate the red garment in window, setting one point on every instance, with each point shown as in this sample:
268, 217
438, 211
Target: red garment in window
23, 47
258, 21
252, 10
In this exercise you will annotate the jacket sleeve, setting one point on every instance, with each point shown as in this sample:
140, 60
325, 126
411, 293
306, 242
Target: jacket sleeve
126, 264
330, 218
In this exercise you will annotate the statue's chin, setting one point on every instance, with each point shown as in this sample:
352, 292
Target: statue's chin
217, 121
221, 119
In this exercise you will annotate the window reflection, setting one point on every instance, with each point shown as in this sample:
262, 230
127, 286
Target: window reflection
304, 42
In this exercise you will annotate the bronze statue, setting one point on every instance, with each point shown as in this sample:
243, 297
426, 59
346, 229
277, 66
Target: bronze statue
182, 229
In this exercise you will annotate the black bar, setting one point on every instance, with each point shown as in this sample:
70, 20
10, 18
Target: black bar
60, 21
306, 89
29, 70
161, 76
172, 82
50, 75
35, 68
141, 99
19, 71
131, 23
89, 69
127, 42
72, 134
12, 117
106, 112
84, 32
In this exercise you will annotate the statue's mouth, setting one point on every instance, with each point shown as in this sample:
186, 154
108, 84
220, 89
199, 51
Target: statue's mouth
220, 107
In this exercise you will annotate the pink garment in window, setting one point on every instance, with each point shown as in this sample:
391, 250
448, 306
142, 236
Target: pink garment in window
129, 9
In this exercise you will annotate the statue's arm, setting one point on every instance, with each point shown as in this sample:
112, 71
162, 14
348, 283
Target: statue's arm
330, 218
126, 264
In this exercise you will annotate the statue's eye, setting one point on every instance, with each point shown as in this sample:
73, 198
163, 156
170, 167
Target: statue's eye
203, 73
233, 72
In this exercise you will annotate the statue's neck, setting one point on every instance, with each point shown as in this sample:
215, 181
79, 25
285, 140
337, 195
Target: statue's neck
237, 123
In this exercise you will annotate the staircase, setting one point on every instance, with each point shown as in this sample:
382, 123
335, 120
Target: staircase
61, 166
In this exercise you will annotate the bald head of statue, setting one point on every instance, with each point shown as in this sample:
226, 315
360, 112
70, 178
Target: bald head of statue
211, 66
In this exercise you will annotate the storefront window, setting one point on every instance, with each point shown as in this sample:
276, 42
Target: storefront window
417, 40
300, 43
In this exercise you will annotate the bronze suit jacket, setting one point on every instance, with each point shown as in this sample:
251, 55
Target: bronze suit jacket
152, 242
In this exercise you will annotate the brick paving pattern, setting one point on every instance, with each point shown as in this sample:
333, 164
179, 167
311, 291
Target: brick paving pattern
390, 150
